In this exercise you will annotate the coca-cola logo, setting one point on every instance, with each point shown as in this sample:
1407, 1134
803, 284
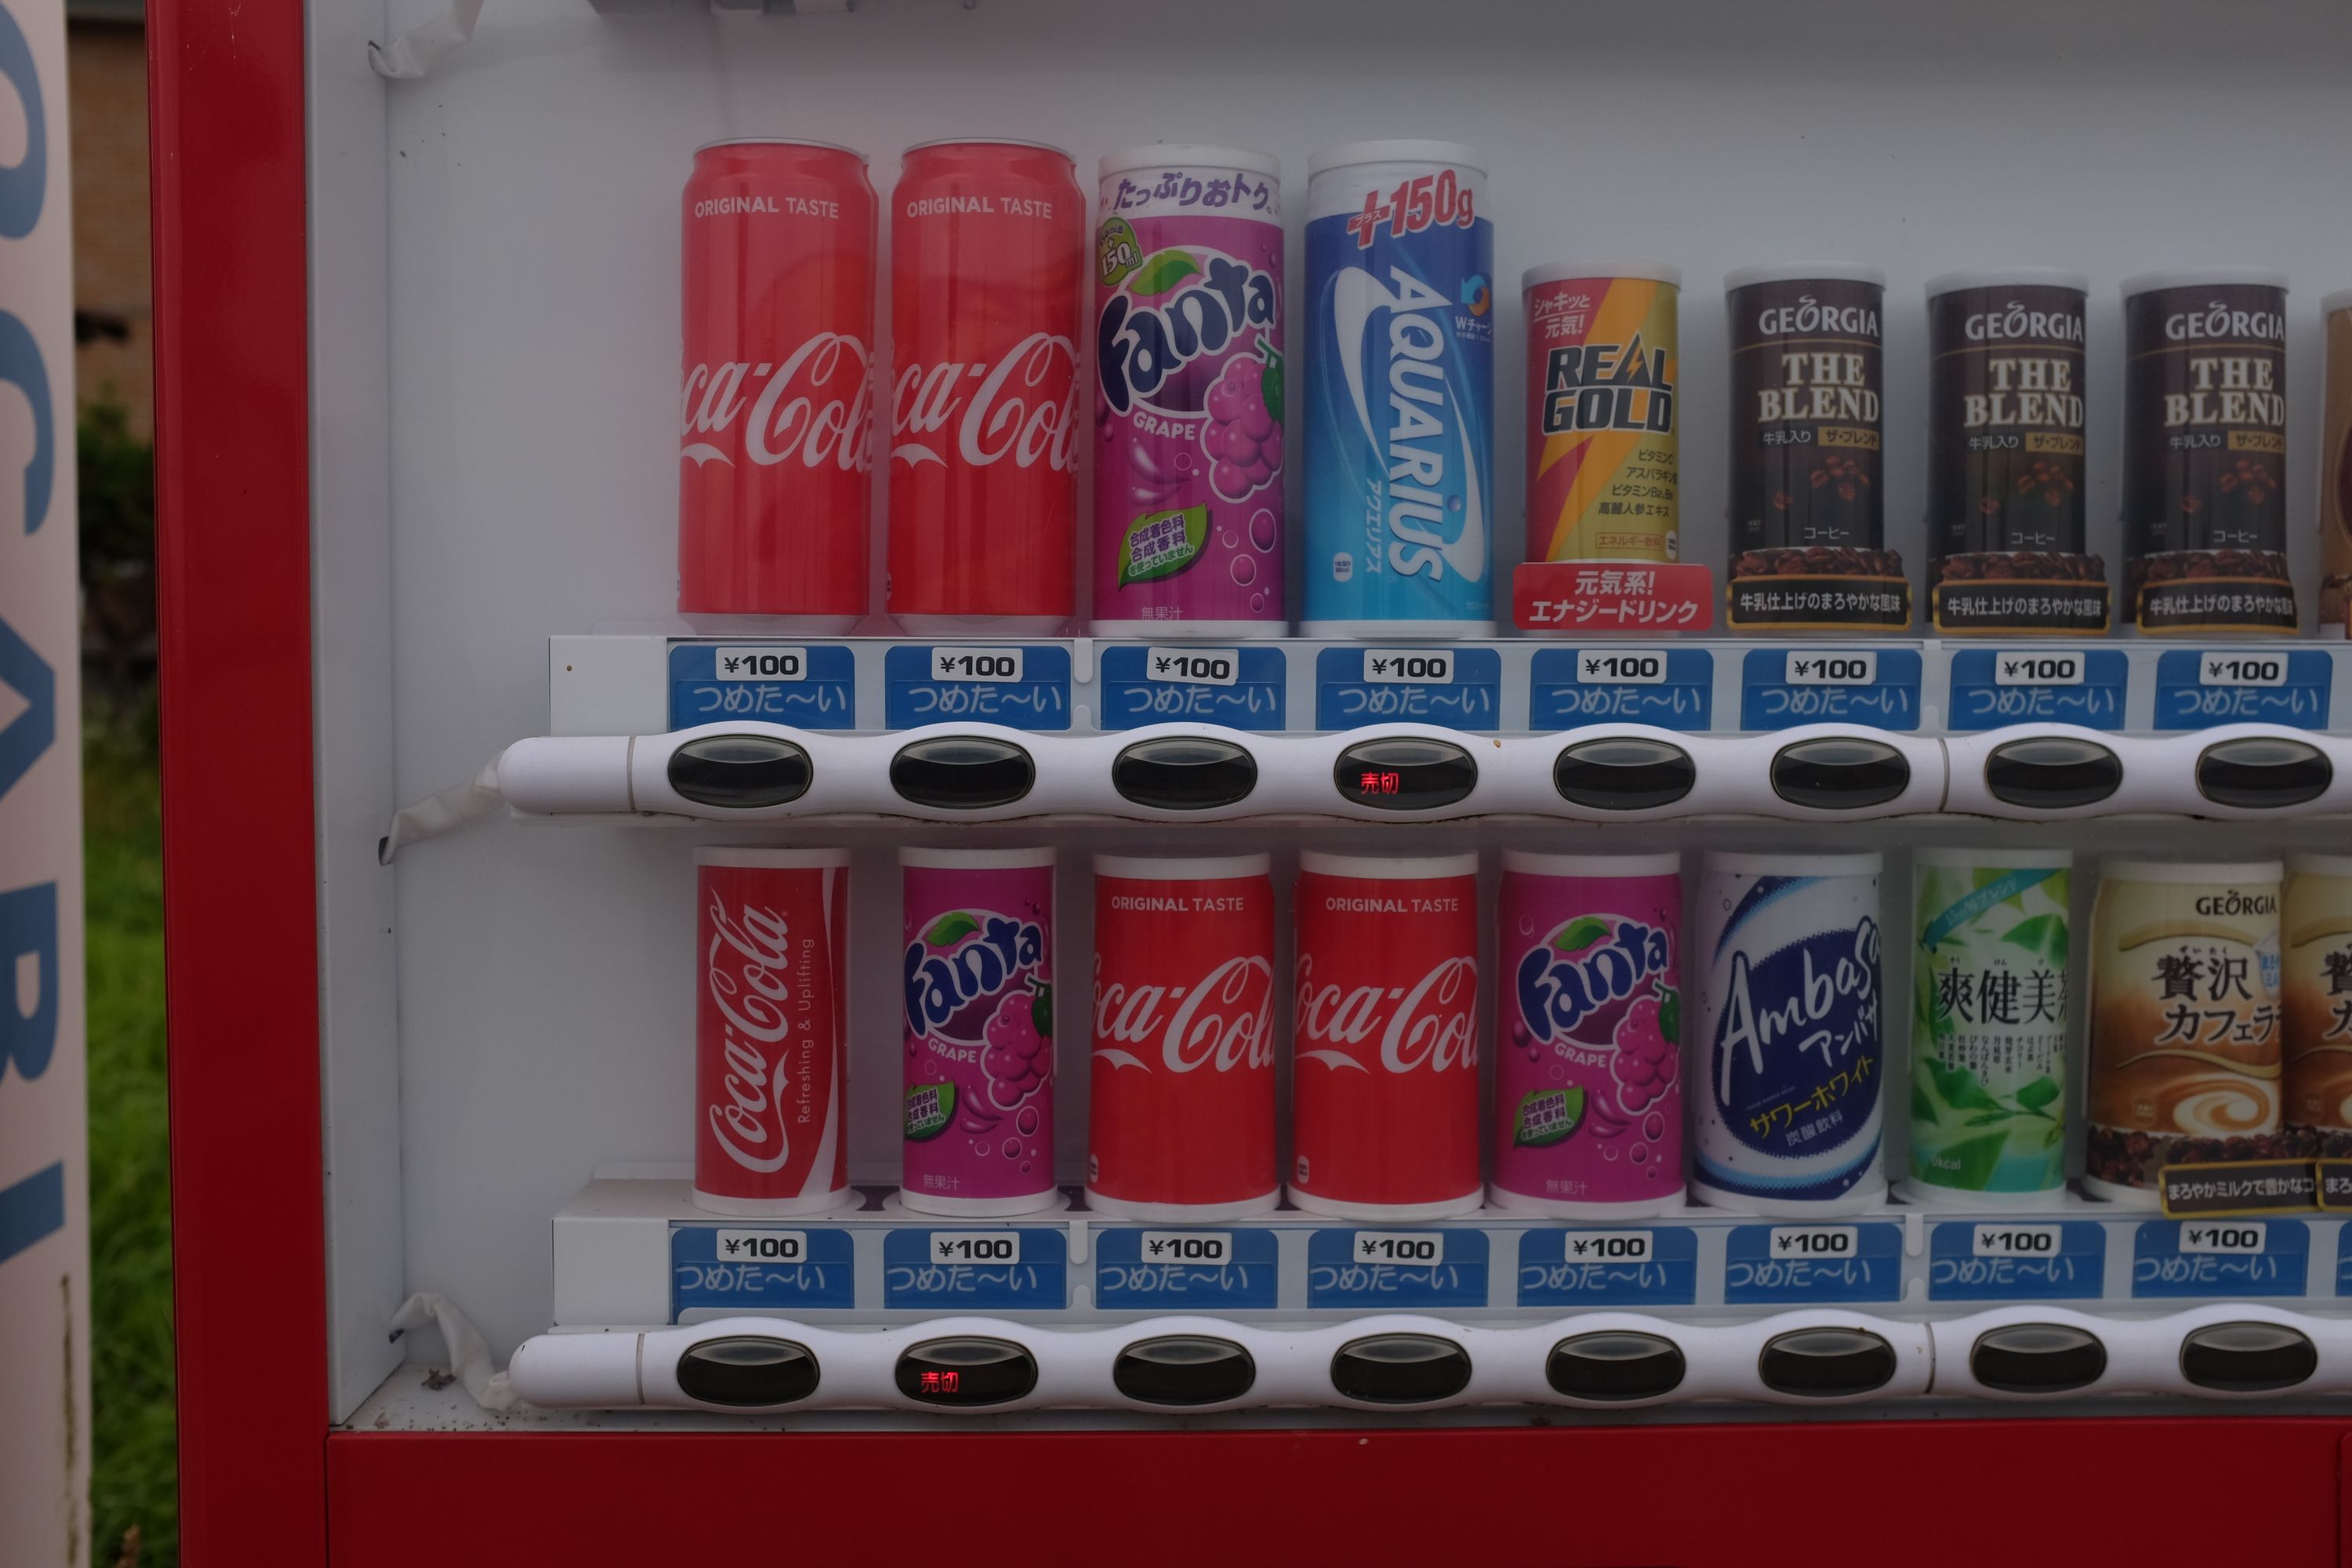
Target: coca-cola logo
1023, 407
1431, 1024
1223, 1020
816, 406
745, 969
1574, 984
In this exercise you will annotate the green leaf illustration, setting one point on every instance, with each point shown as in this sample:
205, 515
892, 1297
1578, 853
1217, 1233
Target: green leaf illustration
1670, 1014
1546, 1116
1958, 1088
949, 929
1161, 271
2051, 1138
1986, 876
1161, 543
1041, 1012
923, 1126
2039, 1094
1985, 1119
1922, 1107
1270, 383
1581, 933
1976, 1158
2043, 936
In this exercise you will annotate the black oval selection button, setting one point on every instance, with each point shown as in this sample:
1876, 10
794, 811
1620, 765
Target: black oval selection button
1405, 773
749, 1371
964, 1372
962, 772
2037, 1358
1183, 773
1399, 1369
2262, 773
2247, 1358
2052, 772
1183, 1369
742, 772
1840, 773
1614, 1365
1826, 1364
1623, 773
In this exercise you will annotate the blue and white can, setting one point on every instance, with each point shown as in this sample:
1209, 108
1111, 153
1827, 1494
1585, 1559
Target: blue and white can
1791, 1034
1400, 537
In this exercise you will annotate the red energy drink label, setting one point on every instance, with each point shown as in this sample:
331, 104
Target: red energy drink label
1603, 460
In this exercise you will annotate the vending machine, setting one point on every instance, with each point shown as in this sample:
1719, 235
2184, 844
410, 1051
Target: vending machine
1018, 778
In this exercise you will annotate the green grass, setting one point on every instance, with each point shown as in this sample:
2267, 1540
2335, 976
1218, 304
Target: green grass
134, 1483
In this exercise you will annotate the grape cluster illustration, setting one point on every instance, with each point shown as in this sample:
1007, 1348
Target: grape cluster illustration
1241, 438
1018, 1053
1646, 1062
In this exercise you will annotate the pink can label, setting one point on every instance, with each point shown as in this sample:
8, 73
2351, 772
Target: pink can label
1189, 397
978, 975
1588, 1094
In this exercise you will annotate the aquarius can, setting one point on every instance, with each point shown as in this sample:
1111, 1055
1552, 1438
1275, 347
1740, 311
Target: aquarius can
1587, 1090
2185, 1037
1788, 1121
2316, 985
1400, 393
1604, 461
1189, 405
1989, 988
979, 976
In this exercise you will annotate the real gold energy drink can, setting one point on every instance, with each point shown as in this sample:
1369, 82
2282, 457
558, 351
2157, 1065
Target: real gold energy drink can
1604, 468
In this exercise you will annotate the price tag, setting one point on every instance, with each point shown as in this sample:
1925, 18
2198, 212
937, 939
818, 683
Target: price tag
2062, 1261
2196, 689
995, 1268
1456, 687
1877, 687
1990, 687
1395, 1269
1184, 1270
1609, 1268
1026, 688
2219, 1258
811, 687
1239, 688
747, 1268
1801, 1263
1673, 689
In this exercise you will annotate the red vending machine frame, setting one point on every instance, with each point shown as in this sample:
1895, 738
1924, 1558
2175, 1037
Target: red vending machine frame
266, 1481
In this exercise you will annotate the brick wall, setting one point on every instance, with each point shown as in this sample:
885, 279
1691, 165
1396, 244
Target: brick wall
106, 88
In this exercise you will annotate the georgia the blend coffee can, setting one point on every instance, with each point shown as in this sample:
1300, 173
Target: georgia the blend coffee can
2005, 503
1180, 1102
1808, 506
1792, 1034
2205, 451
1384, 1087
1604, 460
1189, 395
2335, 465
2316, 991
979, 977
1587, 1087
771, 1031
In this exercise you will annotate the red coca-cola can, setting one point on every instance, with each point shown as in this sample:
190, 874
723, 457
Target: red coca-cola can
1384, 1089
771, 1031
987, 257
1180, 1104
776, 417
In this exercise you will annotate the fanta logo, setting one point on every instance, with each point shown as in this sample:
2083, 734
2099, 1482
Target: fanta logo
1138, 346
1225, 1020
1023, 407
985, 954
1424, 426
816, 406
1429, 1024
1558, 990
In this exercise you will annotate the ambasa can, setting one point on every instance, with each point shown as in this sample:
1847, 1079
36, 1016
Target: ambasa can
2005, 519
771, 1031
1989, 969
1588, 1085
2205, 451
2315, 986
1604, 460
987, 257
1180, 1101
1384, 1086
1786, 1122
979, 976
776, 416
2185, 1038
2335, 465
1807, 482
1188, 407
1400, 405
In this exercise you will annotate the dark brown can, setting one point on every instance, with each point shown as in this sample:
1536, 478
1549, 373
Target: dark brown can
1808, 486
2205, 452
2005, 515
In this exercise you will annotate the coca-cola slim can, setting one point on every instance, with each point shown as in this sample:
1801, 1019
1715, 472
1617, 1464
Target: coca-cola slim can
1181, 1110
1384, 1089
988, 250
771, 1040
776, 413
